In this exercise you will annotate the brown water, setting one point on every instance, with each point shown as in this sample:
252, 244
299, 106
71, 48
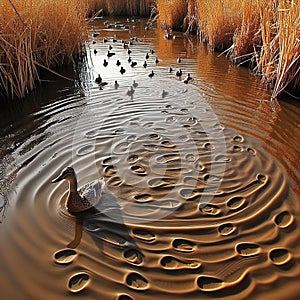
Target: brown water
202, 181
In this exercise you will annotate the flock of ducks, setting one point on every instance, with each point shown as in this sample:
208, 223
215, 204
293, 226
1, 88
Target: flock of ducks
132, 63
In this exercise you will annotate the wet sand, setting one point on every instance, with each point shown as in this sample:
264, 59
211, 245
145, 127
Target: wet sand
200, 199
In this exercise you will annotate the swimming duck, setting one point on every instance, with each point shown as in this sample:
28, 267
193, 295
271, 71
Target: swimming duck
133, 64
84, 198
145, 64
105, 63
179, 73
118, 63
147, 55
122, 70
151, 74
156, 60
110, 54
188, 78
98, 79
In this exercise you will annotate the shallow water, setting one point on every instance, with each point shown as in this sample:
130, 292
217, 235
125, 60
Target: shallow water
202, 180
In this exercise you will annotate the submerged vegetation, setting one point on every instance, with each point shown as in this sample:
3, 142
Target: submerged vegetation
44, 34
263, 34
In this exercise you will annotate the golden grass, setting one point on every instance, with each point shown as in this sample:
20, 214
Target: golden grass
37, 34
265, 33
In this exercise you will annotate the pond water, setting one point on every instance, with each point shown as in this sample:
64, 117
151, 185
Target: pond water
202, 179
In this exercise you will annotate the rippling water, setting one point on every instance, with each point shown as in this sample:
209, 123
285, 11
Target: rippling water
202, 180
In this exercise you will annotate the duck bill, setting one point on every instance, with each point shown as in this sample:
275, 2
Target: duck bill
57, 179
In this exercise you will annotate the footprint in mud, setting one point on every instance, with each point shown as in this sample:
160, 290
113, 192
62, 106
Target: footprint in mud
171, 119
85, 150
261, 178
143, 198
161, 182
110, 160
137, 281
134, 256
209, 209
222, 158
110, 170
124, 297
251, 151
154, 136
131, 138
209, 146
114, 181
238, 139
236, 203
65, 256
138, 170
148, 125
132, 159
209, 284
190, 157
247, 249
182, 245
284, 219
144, 235
280, 256
121, 147
172, 263
168, 144
78, 282
237, 148
118, 131
226, 229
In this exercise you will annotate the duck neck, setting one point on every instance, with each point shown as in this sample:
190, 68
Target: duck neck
72, 184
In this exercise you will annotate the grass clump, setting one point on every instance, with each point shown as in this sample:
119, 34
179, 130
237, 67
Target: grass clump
37, 34
264, 34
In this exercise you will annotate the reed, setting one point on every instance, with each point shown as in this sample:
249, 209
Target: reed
37, 34
264, 33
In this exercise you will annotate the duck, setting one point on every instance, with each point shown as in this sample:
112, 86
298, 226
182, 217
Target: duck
118, 63
151, 74
105, 63
129, 51
116, 84
95, 51
98, 79
134, 84
179, 60
122, 70
145, 64
156, 60
188, 78
80, 200
179, 73
147, 55
133, 64
110, 54
130, 91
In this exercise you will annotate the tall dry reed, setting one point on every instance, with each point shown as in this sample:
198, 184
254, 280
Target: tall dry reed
37, 34
265, 33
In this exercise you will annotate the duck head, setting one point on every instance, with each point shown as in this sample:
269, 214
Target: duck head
67, 173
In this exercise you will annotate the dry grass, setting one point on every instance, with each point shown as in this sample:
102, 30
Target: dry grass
37, 34
265, 33
121, 7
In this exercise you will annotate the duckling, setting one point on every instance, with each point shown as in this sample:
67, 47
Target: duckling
147, 55
105, 63
130, 91
133, 64
129, 59
179, 73
116, 84
95, 51
145, 64
151, 74
134, 84
122, 70
118, 63
187, 79
179, 60
156, 60
170, 70
98, 79
110, 54
164, 93
110, 47
84, 198
129, 51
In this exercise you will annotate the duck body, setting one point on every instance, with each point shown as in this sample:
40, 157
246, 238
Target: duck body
84, 198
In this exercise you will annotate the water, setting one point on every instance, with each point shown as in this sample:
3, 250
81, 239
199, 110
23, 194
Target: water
202, 180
